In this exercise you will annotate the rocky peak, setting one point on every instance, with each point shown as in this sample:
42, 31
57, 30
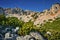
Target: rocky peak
55, 7
38, 17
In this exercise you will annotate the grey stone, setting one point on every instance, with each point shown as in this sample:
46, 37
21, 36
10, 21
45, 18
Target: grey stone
20, 38
36, 35
7, 35
27, 37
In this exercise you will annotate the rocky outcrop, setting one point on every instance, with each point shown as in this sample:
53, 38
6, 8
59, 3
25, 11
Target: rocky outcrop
53, 13
31, 36
36, 17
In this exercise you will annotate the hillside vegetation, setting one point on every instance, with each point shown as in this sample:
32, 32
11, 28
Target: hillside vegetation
50, 30
47, 23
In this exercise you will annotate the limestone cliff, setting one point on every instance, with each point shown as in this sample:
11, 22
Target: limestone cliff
36, 17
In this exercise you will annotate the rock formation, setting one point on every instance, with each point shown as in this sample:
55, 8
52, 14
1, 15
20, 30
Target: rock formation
36, 17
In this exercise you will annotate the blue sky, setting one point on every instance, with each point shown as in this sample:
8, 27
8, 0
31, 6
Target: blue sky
35, 5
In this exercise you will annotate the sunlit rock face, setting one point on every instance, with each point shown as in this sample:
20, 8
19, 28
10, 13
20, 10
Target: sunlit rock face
52, 13
36, 17
55, 7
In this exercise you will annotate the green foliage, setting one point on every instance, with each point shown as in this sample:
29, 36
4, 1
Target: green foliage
2, 19
54, 28
12, 21
25, 28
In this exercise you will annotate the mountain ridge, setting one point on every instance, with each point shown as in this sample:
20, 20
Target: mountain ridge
37, 17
